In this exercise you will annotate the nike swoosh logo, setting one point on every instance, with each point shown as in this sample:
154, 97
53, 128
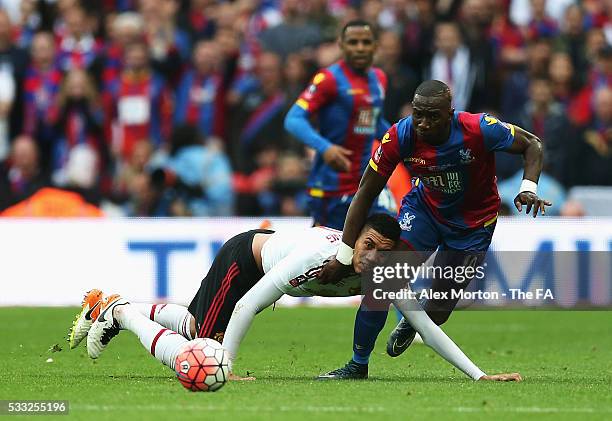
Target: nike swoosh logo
88, 314
101, 316
395, 344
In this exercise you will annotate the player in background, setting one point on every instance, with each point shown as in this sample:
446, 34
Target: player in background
274, 264
452, 207
347, 97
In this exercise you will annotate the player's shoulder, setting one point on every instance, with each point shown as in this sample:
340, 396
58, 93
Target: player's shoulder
317, 243
325, 78
379, 73
330, 72
325, 235
496, 134
404, 129
469, 121
477, 121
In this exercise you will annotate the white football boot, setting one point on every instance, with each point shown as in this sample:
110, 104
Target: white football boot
90, 309
105, 327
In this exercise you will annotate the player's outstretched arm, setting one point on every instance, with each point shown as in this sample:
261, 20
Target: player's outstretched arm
435, 338
264, 293
530, 146
370, 187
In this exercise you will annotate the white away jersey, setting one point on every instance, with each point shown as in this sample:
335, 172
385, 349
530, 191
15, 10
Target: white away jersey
293, 259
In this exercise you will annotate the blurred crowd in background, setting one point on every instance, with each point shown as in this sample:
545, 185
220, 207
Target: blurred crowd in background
176, 107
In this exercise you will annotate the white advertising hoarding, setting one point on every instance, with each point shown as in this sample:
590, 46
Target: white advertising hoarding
53, 262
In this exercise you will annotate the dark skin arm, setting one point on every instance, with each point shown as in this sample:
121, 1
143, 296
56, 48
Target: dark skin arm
372, 183
530, 146
370, 187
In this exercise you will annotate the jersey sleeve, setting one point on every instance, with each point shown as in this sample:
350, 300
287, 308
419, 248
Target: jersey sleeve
273, 285
321, 91
387, 156
497, 135
435, 337
382, 79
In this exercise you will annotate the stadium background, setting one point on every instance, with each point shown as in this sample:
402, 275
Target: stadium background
167, 108
63, 123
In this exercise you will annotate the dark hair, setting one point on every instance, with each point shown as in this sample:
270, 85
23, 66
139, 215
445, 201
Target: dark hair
433, 87
358, 22
384, 224
184, 135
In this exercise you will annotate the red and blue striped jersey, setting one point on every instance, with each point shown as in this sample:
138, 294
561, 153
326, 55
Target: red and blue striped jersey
81, 54
138, 107
200, 101
456, 180
349, 109
40, 90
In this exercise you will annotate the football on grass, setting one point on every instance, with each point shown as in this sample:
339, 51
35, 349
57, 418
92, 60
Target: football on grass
202, 365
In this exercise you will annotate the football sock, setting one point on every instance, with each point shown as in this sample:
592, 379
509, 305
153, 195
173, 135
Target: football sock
171, 316
164, 344
368, 324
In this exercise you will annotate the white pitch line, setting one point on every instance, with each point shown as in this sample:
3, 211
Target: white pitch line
341, 409
532, 409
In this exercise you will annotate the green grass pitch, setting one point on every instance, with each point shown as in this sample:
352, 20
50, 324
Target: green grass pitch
565, 358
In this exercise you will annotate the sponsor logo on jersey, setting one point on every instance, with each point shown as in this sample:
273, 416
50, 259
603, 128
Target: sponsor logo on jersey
406, 222
437, 168
319, 77
465, 155
419, 161
356, 91
492, 120
446, 182
309, 275
219, 336
365, 123
378, 154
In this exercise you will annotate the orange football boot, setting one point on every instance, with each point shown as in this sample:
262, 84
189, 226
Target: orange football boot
89, 313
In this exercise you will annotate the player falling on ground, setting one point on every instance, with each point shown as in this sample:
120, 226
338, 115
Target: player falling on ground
347, 97
267, 265
452, 207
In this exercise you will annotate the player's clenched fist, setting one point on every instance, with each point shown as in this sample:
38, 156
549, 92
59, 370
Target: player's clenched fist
337, 157
333, 272
531, 200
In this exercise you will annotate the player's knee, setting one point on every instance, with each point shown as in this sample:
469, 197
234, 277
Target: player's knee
192, 327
